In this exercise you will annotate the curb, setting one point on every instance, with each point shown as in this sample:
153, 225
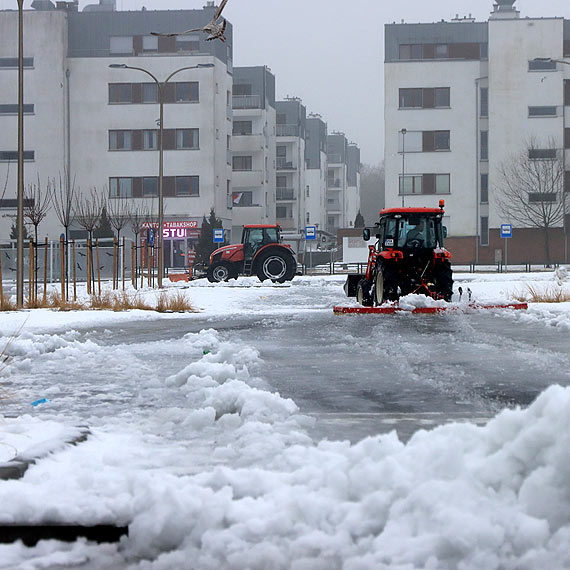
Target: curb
17, 467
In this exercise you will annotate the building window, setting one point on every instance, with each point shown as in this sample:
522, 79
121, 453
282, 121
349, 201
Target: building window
484, 51
538, 65
242, 128
187, 43
484, 102
150, 140
543, 111
120, 93
121, 45
484, 238
242, 163
567, 138
412, 185
187, 186
308, 191
426, 184
308, 217
12, 62
567, 92
542, 153
442, 140
9, 109
12, 155
120, 140
187, 92
149, 93
187, 139
121, 187
150, 186
150, 44
484, 188
541, 197
424, 141
441, 51
281, 212
484, 152
428, 98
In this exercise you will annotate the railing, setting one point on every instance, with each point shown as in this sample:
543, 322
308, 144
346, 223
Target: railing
285, 194
334, 183
287, 130
334, 159
284, 164
246, 102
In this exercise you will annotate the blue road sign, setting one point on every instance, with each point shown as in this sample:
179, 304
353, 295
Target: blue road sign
506, 230
310, 232
150, 237
219, 236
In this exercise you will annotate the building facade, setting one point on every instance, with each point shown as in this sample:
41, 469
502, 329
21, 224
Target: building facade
316, 165
464, 100
253, 148
100, 125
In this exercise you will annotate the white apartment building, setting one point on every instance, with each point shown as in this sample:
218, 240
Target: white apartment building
253, 148
462, 99
290, 163
100, 124
316, 166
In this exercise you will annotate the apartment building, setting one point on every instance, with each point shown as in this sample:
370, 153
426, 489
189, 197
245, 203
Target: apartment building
253, 147
290, 163
463, 99
100, 124
316, 172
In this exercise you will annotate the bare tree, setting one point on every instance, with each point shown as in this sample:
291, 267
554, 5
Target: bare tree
87, 213
138, 216
37, 203
63, 199
119, 211
531, 189
5, 182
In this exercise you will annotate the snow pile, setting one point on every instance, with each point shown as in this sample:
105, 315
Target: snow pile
411, 302
458, 497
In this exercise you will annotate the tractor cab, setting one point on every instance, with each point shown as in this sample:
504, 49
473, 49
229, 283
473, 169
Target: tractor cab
255, 237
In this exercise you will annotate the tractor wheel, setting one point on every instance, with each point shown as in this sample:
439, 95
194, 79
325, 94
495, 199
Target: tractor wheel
444, 281
385, 284
221, 271
279, 266
363, 293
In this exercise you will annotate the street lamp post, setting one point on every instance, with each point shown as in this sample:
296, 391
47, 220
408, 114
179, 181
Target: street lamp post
161, 88
20, 195
403, 131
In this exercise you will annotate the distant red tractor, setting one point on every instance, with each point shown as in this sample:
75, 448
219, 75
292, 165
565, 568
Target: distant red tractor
408, 257
260, 253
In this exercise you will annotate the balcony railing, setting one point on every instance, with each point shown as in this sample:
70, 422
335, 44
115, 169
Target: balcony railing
284, 164
285, 194
334, 183
246, 102
334, 158
287, 130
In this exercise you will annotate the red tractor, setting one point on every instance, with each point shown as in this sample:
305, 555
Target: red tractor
260, 253
408, 257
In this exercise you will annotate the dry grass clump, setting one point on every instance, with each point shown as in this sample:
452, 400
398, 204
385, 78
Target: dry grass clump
551, 294
173, 303
56, 301
6, 303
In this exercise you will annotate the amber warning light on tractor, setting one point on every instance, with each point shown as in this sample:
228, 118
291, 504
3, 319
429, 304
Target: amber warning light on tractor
442, 204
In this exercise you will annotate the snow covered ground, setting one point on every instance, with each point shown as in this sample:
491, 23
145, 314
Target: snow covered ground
225, 476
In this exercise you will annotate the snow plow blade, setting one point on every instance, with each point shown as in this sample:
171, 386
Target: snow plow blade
351, 284
392, 309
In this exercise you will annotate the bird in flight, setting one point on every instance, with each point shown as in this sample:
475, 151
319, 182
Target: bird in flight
215, 30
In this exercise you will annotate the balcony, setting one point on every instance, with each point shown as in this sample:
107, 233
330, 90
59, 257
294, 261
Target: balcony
334, 184
334, 159
284, 164
246, 102
247, 178
285, 194
287, 130
248, 143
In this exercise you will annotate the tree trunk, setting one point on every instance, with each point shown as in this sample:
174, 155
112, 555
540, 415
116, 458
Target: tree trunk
547, 246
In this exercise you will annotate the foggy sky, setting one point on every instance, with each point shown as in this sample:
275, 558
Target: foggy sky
330, 52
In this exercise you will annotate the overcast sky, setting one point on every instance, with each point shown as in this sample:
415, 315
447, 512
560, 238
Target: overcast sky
330, 52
